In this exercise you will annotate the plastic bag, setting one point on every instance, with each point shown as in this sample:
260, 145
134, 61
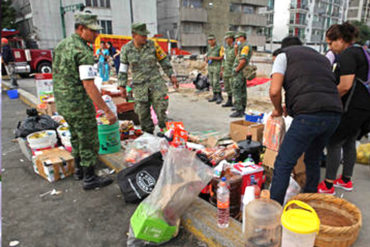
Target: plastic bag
293, 190
143, 147
34, 123
274, 133
182, 177
363, 153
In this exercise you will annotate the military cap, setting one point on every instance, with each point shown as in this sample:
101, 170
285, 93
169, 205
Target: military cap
229, 34
211, 36
139, 28
88, 20
241, 34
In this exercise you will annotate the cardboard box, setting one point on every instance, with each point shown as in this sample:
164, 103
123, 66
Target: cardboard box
53, 164
47, 108
239, 130
270, 156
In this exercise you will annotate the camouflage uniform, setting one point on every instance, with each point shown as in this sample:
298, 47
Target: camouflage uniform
71, 99
214, 67
240, 82
227, 64
149, 87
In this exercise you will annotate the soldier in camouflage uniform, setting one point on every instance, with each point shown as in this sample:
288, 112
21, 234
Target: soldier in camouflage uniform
214, 58
75, 92
240, 82
149, 87
227, 66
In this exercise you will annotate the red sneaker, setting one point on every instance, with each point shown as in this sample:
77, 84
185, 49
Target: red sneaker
324, 190
339, 183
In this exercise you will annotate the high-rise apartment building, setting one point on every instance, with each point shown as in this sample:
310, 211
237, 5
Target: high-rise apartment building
191, 21
306, 19
359, 10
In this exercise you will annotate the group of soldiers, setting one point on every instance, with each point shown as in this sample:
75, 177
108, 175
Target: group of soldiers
229, 62
75, 90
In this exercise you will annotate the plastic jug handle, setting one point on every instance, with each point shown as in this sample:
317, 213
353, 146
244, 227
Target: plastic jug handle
302, 205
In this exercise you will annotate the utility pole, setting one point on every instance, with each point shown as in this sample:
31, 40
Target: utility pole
131, 12
68, 8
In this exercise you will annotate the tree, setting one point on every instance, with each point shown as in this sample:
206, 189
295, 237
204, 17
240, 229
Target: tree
364, 31
7, 14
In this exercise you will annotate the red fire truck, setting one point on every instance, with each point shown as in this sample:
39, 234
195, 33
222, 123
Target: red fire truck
168, 46
27, 61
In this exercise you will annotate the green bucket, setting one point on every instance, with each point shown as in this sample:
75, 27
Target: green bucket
109, 138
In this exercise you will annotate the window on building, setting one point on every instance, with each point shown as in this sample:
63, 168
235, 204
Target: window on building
192, 3
98, 3
233, 28
235, 7
192, 27
248, 9
106, 25
247, 29
270, 5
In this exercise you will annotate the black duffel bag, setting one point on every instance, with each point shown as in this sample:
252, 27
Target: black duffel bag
138, 181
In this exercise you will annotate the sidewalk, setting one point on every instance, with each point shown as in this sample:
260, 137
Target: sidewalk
200, 218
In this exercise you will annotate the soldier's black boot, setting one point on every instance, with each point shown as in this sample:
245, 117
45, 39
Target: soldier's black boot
92, 181
233, 108
214, 98
79, 173
237, 114
229, 102
219, 98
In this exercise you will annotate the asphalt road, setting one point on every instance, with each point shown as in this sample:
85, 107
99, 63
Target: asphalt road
97, 218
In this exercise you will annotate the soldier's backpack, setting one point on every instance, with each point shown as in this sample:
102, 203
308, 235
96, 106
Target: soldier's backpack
138, 181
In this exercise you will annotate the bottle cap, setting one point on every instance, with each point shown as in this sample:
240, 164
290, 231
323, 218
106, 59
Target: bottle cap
223, 179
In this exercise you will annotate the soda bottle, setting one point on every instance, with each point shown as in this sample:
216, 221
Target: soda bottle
223, 199
257, 189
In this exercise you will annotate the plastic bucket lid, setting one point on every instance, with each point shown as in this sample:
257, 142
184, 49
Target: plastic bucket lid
302, 220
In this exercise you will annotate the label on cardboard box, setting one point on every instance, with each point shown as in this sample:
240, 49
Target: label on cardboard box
240, 129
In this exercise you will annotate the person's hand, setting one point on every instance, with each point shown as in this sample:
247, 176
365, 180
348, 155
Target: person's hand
123, 92
111, 117
206, 59
277, 113
174, 81
221, 74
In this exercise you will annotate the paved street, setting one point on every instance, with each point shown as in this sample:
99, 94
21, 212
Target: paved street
100, 218
97, 218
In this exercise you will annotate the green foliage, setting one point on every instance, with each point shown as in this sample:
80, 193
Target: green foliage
8, 14
364, 31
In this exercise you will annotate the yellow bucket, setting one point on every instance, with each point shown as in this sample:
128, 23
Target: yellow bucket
300, 225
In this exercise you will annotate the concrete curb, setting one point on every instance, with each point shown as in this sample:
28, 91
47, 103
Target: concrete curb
200, 219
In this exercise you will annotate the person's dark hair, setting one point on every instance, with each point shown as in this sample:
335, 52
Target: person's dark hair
345, 31
290, 41
111, 53
276, 52
102, 42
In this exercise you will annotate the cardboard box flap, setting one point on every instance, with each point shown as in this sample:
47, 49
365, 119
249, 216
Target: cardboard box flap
240, 128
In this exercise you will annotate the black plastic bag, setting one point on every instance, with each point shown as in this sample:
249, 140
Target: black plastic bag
138, 181
201, 82
34, 123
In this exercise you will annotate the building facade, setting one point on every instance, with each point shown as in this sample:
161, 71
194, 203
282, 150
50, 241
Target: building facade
40, 20
306, 19
191, 21
359, 10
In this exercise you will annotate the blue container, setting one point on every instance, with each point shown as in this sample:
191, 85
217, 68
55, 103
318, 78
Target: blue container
254, 118
13, 94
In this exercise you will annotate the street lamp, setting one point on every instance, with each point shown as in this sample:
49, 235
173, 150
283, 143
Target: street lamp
69, 8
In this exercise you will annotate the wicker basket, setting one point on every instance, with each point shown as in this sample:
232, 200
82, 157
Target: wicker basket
340, 220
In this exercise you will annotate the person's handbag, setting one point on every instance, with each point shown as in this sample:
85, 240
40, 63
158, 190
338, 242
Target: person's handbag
138, 181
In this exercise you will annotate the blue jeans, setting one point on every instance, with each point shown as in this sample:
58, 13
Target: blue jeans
309, 134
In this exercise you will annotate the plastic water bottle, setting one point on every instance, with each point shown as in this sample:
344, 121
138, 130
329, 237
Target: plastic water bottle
223, 202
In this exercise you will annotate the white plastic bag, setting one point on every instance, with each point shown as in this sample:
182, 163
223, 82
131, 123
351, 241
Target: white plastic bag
293, 190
